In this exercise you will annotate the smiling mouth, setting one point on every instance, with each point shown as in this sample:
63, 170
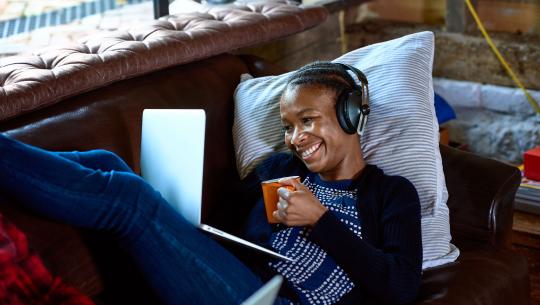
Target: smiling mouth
310, 151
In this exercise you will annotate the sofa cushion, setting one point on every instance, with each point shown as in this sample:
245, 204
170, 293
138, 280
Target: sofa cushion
402, 130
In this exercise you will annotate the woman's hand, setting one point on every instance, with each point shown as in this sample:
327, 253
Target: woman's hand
299, 207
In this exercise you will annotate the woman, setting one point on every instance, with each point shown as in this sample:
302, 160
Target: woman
354, 231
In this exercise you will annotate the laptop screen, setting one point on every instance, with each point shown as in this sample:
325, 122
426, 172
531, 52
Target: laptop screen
172, 156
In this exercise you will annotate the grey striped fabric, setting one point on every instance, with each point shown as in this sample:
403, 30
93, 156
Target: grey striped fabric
402, 131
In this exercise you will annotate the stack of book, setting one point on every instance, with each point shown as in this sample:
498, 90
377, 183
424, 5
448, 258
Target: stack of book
528, 195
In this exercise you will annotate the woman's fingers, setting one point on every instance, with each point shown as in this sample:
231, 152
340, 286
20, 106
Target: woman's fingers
299, 207
279, 216
282, 204
292, 181
284, 193
289, 219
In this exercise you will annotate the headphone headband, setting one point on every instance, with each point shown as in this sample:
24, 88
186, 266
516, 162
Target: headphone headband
361, 77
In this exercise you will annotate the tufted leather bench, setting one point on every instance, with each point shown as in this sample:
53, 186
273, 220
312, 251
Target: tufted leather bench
91, 95
25, 82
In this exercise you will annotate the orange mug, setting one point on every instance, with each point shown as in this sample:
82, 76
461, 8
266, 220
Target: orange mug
271, 197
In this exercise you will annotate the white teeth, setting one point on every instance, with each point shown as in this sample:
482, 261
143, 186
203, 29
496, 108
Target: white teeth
310, 150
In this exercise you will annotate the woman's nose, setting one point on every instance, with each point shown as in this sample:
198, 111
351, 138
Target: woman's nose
297, 137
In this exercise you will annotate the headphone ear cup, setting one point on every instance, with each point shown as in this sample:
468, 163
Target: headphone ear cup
353, 105
347, 111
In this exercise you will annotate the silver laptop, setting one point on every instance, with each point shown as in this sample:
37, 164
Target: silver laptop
266, 295
172, 156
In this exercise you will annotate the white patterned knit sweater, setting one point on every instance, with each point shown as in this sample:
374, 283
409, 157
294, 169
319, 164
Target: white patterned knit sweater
315, 275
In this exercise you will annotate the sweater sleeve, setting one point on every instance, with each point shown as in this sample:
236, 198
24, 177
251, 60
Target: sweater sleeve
390, 271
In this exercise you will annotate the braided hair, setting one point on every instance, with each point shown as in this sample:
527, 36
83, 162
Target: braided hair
323, 74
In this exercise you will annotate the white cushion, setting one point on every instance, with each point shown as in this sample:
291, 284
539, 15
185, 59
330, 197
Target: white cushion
402, 135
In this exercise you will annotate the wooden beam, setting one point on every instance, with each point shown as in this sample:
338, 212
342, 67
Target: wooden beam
458, 17
161, 8
536, 27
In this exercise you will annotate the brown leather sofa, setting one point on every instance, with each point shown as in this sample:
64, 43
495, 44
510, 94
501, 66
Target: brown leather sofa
92, 96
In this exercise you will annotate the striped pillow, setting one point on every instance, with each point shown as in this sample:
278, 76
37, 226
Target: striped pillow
402, 131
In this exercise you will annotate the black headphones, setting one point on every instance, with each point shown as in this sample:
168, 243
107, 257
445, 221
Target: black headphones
352, 106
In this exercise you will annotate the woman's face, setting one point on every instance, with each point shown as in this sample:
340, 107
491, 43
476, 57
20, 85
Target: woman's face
313, 134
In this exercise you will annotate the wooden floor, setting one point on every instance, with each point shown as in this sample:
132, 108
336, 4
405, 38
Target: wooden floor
526, 239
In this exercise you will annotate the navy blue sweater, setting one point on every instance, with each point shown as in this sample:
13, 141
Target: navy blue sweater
386, 263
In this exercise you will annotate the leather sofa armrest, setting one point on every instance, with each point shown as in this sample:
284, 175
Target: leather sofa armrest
481, 197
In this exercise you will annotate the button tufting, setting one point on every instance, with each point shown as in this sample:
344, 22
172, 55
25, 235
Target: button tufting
85, 50
111, 56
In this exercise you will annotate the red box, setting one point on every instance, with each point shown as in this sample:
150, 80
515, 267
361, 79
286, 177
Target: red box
531, 164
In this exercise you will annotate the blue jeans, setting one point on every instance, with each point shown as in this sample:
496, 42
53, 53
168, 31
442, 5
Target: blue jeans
97, 190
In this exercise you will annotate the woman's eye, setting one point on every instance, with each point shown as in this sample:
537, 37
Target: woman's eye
286, 128
307, 120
